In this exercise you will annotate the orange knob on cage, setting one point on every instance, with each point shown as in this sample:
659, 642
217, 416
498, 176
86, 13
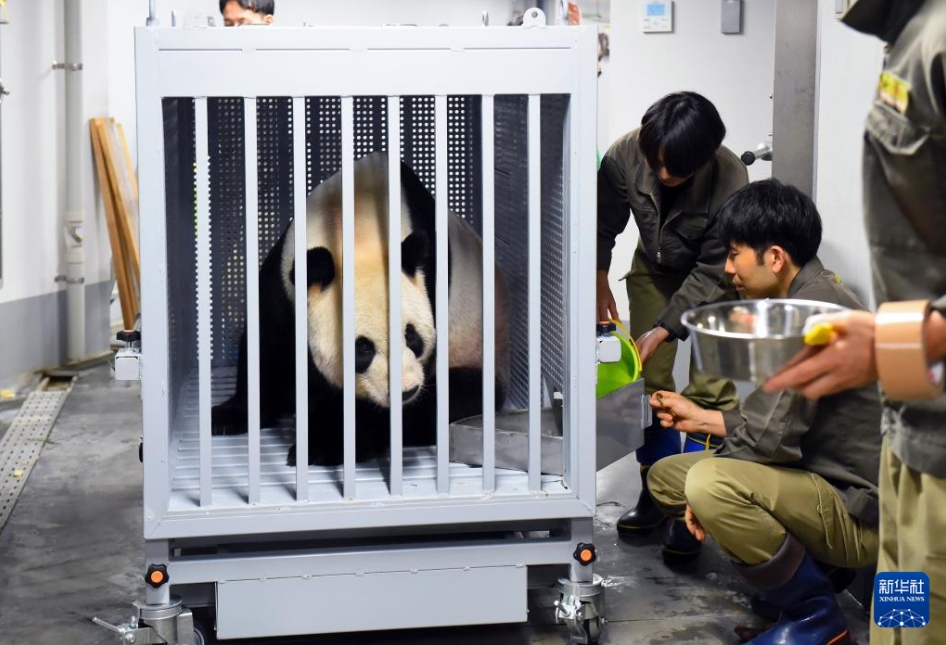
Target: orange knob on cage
585, 553
157, 575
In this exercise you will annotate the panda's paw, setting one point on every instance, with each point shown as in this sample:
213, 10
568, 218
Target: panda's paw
227, 420
291, 459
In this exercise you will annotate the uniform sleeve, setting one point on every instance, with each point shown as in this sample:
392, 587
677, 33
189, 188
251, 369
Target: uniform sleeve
769, 428
703, 284
614, 210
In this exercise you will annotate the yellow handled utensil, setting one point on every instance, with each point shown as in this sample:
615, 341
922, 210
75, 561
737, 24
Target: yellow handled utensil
818, 332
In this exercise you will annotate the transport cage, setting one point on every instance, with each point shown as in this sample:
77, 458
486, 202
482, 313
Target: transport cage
235, 128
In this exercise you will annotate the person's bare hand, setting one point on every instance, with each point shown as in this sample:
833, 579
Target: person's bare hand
607, 307
648, 343
846, 362
675, 411
693, 525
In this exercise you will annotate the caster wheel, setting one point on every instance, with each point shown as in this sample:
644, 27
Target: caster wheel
592, 629
200, 634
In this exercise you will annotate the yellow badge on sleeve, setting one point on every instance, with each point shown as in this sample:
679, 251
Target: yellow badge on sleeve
894, 91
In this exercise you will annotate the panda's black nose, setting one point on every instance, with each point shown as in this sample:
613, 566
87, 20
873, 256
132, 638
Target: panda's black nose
410, 394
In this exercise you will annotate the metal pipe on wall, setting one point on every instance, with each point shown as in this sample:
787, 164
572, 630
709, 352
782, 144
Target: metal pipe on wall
795, 93
75, 216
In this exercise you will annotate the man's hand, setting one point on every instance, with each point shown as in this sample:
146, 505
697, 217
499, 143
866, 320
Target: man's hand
648, 343
846, 362
607, 307
693, 525
680, 413
675, 411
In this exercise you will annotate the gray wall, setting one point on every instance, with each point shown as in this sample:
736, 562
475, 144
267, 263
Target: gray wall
34, 330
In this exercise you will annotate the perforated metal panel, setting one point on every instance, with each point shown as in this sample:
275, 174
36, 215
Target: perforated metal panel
554, 250
226, 126
179, 180
512, 231
226, 143
274, 123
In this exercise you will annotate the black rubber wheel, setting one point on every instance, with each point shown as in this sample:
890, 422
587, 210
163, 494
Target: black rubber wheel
592, 628
200, 634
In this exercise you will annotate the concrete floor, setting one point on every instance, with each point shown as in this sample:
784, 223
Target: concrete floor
72, 550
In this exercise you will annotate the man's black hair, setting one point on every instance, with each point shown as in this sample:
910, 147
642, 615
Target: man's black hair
687, 127
265, 7
769, 213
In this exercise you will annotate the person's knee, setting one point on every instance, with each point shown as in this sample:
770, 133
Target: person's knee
659, 482
708, 490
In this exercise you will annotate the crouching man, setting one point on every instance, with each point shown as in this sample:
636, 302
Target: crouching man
793, 489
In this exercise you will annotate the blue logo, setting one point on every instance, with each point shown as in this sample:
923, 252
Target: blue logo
902, 599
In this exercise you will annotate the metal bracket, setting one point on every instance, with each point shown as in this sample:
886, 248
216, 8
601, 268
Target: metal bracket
533, 18
130, 632
128, 364
67, 280
69, 67
581, 608
171, 624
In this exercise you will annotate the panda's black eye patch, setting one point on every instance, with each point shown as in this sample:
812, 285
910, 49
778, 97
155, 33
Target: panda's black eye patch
414, 342
364, 354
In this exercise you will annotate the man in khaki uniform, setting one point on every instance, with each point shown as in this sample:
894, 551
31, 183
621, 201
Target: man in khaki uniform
672, 174
795, 481
905, 212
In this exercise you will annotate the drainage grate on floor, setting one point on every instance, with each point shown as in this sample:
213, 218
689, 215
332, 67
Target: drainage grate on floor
23, 441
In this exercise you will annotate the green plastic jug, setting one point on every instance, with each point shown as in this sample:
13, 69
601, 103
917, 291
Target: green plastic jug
614, 376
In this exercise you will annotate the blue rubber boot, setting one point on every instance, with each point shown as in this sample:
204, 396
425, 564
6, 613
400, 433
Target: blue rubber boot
794, 582
697, 442
659, 442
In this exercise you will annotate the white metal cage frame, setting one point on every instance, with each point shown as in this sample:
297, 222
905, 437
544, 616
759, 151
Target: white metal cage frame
546, 73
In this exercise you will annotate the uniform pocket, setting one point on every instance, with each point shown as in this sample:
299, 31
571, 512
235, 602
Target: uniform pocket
691, 228
905, 168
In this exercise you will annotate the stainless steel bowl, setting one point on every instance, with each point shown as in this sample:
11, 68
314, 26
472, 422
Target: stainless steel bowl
750, 340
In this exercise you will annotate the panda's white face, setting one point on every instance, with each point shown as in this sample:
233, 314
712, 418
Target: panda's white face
324, 273
372, 350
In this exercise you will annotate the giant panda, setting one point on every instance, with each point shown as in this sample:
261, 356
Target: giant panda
418, 319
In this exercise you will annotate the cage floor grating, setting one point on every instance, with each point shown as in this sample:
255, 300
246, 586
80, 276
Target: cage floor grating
230, 461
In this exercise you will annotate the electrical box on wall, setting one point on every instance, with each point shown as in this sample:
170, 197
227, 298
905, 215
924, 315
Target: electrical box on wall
731, 17
656, 16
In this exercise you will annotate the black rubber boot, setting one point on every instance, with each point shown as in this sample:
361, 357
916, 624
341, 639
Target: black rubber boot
680, 547
643, 518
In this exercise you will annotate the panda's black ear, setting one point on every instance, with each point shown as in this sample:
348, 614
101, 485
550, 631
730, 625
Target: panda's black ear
414, 252
320, 268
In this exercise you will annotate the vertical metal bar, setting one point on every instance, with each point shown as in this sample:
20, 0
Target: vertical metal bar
301, 333
157, 552
535, 287
583, 105
489, 295
155, 294
395, 335
348, 289
252, 298
573, 328
442, 313
203, 301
